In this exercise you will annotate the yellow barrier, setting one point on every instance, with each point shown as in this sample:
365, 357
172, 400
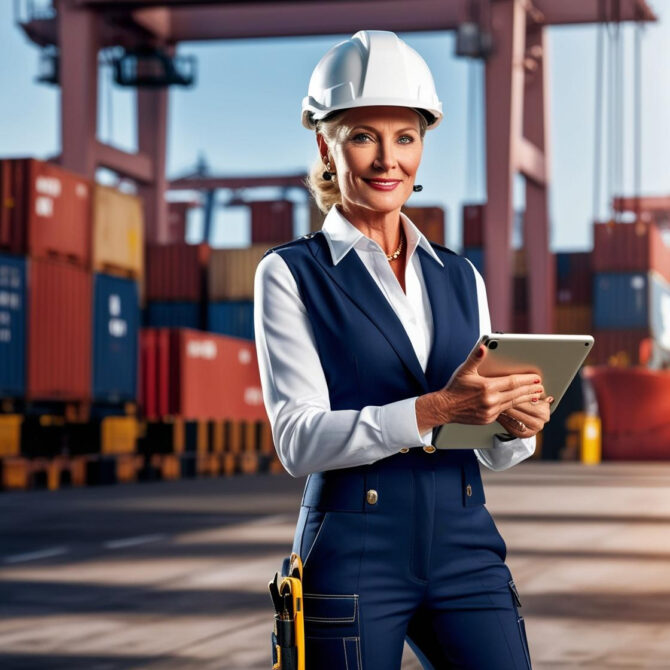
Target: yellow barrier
586, 432
119, 435
10, 434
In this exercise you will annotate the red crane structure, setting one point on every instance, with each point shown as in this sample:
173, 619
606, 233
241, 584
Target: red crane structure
516, 82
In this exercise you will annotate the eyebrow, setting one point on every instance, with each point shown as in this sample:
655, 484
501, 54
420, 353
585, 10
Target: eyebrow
374, 130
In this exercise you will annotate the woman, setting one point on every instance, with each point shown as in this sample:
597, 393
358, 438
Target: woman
358, 328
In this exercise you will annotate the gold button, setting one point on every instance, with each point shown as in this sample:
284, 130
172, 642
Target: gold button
404, 450
468, 491
372, 497
429, 449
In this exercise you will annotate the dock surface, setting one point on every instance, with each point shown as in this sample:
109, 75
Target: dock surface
173, 575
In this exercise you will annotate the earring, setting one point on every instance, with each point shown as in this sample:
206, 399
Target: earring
328, 174
417, 187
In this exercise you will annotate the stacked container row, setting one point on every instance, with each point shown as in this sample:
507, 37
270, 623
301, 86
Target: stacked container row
195, 375
631, 289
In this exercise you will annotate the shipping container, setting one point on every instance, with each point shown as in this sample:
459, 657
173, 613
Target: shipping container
178, 214
205, 376
574, 278
631, 247
12, 326
634, 408
623, 300
271, 221
118, 233
116, 318
233, 317
59, 331
45, 211
431, 221
178, 314
573, 319
176, 271
231, 272
617, 347
473, 225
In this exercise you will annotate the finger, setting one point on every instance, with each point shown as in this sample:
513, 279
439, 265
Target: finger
511, 382
515, 401
473, 361
530, 413
521, 395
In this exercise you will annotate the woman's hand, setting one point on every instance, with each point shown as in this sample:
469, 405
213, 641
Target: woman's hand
526, 420
473, 399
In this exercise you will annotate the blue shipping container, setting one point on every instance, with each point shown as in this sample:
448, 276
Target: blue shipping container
232, 317
159, 314
116, 324
620, 300
12, 326
476, 256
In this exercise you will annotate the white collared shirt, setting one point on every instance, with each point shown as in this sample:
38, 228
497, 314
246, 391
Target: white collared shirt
308, 435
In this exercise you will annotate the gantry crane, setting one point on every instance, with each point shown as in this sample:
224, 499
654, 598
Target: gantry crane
512, 38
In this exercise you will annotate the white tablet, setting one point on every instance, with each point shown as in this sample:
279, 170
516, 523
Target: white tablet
555, 358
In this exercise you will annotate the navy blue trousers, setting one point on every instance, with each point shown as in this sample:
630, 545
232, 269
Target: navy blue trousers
421, 560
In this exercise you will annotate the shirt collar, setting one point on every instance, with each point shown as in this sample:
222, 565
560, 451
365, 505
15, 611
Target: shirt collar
342, 236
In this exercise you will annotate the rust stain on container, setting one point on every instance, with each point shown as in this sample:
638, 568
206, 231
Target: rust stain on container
231, 272
118, 233
429, 220
59, 332
45, 211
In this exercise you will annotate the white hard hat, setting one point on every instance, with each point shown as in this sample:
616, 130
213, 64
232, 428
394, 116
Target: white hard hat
374, 67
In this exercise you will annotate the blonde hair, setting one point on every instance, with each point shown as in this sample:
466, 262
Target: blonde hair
325, 192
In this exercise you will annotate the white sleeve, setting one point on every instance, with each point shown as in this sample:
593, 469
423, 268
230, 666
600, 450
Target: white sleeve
504, 453
308, 435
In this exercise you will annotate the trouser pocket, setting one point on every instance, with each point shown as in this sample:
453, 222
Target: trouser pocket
521, 624
332, 634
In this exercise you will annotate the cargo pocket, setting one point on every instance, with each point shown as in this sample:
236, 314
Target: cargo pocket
332, 637
521, 624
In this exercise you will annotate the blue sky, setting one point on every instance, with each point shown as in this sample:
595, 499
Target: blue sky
244, 115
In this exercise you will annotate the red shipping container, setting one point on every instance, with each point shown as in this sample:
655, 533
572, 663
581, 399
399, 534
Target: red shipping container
429, 220
59, 333
45, 211
631, 247
574, 278
200, 376
178, 220
617, 347
271, 221
473, 225
176, 271
634, 408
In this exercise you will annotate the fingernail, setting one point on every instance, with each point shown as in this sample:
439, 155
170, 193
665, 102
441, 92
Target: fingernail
537, 381
534, 400
551, 400
480, 352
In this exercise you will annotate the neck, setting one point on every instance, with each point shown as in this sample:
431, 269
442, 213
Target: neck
382, 227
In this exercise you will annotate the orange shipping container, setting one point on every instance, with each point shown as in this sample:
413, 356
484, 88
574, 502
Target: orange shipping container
429, 220
45, 211
59, 333
231, 272
118, 233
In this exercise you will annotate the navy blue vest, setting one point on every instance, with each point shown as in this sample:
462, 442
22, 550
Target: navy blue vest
365, 352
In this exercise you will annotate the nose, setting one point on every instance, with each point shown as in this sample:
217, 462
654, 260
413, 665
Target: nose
385, 159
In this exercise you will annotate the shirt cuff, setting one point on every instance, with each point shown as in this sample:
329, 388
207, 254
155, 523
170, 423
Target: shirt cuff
399, 427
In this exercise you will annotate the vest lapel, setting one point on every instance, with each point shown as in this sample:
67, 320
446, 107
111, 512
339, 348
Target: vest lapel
439, 294
354, 279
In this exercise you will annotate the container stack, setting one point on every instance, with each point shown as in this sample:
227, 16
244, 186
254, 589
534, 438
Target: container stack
631, 284
271, 221
431, 221
574, 303
230, 282
69, 319
176, 285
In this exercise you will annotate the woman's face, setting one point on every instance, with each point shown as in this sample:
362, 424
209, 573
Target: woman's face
375, 155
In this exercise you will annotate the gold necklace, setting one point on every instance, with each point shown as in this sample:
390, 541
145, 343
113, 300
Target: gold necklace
396, 253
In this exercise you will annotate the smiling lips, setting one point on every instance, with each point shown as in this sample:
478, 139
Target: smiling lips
382, 184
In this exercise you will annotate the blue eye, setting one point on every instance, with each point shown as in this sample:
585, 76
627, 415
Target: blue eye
406, 139
361, 138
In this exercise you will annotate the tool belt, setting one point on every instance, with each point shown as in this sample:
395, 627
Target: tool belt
288, 636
